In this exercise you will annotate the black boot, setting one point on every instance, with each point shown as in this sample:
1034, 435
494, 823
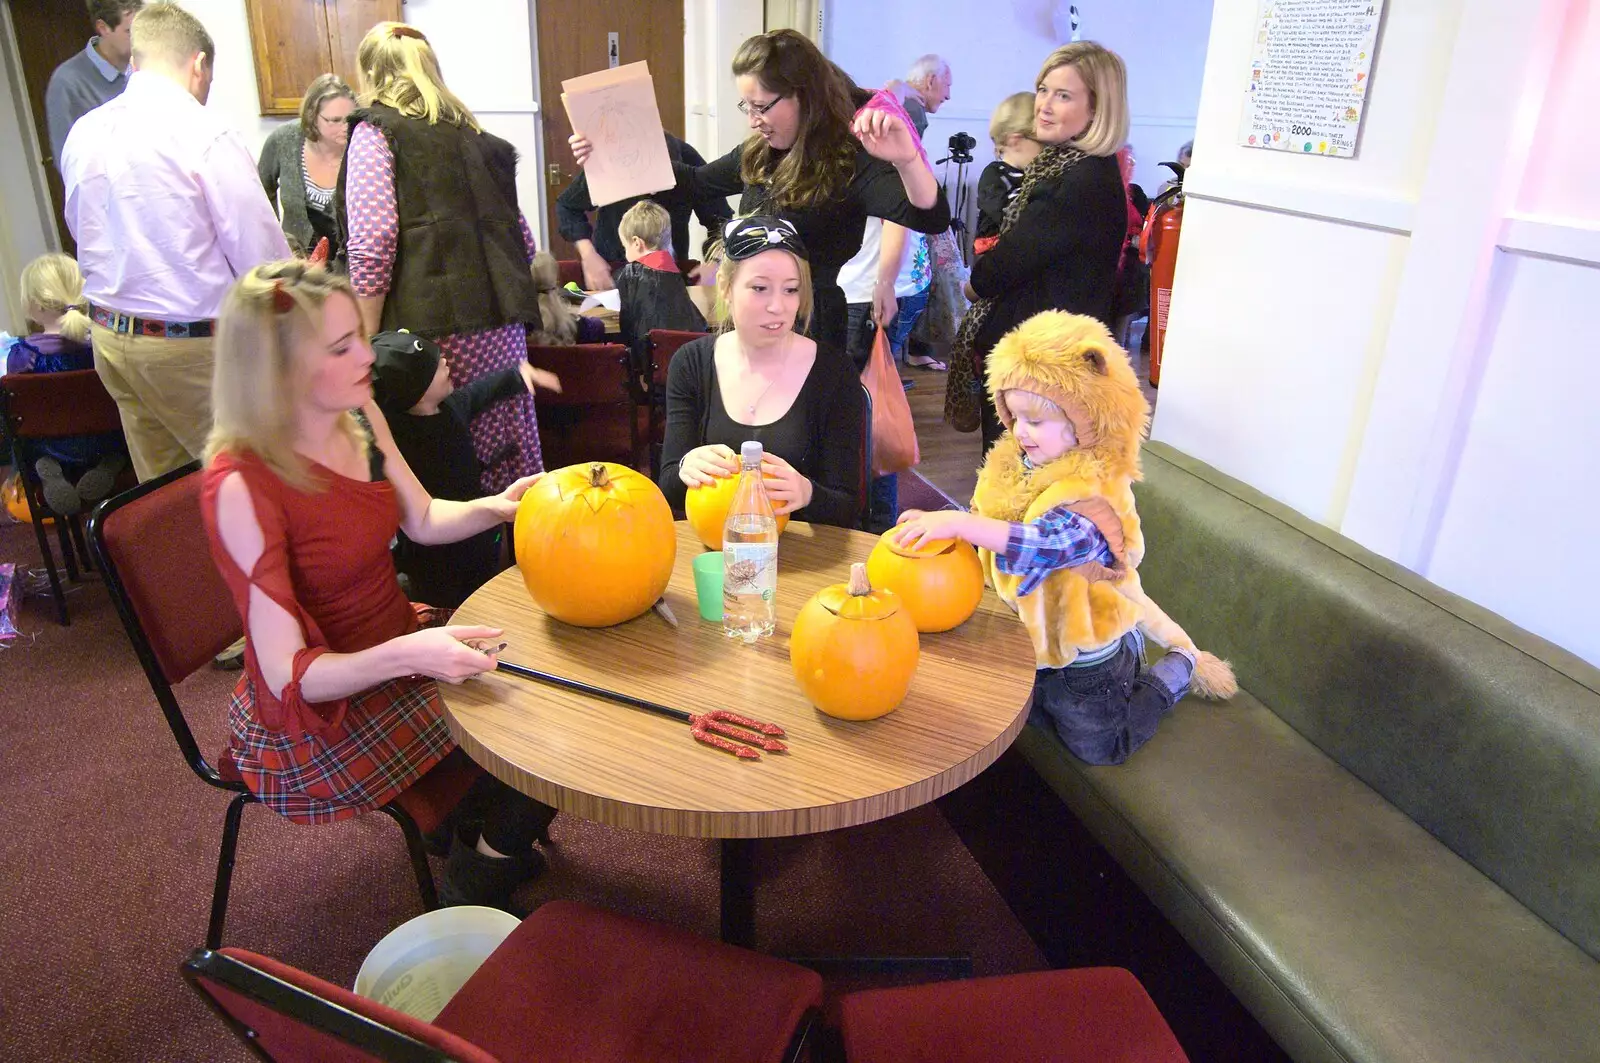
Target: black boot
472, 878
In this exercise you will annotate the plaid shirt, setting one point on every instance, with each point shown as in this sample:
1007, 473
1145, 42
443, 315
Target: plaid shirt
1058, 539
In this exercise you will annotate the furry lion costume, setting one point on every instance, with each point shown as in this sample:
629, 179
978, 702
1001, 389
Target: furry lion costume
1073, 361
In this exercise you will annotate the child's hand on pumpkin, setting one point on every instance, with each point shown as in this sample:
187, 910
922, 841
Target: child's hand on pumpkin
917, 527
708, 464
539, 378
788, 489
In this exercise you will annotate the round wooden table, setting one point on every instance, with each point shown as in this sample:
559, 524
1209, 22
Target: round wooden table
607, 762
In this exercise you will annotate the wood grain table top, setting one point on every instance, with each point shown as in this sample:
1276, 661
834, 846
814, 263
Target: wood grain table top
629, 768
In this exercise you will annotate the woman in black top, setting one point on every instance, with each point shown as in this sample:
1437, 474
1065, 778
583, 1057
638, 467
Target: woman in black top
761, 379
813, 162
1061, 237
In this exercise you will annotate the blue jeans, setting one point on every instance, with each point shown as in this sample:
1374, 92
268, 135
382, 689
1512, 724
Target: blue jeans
860, 328
1104, 712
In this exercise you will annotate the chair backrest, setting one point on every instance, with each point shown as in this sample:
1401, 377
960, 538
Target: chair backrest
569, 271
592, 374
293, 1017
153, 552
53, 405
664, 343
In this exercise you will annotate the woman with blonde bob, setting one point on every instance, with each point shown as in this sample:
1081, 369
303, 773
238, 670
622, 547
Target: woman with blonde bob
761, 378
338, 710
435, 239
1061, 235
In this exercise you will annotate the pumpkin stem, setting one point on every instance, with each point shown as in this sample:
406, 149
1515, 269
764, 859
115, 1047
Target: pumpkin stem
598, 477
859, 584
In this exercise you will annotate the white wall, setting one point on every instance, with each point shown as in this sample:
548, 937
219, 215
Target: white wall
1399, 345
995, 50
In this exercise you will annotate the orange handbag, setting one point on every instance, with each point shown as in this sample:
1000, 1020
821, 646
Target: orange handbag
894, 436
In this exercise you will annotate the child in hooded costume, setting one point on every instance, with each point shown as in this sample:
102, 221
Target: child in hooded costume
431, 422
1054, 521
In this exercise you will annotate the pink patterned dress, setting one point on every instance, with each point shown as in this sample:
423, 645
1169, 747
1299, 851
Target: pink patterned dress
506, 435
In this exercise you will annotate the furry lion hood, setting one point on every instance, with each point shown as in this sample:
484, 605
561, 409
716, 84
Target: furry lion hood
1072, 360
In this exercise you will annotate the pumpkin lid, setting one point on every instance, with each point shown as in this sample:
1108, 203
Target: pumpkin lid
857, 600
930, 548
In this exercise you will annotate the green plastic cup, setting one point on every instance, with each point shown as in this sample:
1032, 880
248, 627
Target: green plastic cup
708, 585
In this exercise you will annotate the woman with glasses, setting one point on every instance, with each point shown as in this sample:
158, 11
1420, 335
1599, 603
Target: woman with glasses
819, 159
761, 378
300, 163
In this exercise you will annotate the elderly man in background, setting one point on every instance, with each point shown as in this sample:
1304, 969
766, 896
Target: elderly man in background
924, 90
164, 201
94, 75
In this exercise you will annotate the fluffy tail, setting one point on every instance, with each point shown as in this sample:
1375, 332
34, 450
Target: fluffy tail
1213, 677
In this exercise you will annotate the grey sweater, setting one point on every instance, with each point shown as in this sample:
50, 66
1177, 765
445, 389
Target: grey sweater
285, 184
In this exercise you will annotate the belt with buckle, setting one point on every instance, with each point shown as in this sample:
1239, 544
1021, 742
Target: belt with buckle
150, 326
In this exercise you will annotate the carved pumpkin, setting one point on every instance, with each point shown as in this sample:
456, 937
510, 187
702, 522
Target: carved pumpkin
595, 543
854, 649
707, 510
939, 582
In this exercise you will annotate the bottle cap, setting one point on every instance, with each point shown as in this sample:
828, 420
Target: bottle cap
750, 451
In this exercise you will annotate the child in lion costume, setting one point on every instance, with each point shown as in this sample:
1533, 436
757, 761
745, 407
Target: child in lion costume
1054, 521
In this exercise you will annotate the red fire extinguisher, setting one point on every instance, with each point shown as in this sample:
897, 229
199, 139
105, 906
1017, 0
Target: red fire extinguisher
1158, 244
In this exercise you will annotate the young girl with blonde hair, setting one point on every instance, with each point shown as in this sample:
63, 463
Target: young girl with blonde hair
337, 711
435, 240
1011, 129
80, 469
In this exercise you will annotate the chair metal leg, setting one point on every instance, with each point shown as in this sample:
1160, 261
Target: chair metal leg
230, 845
50, 569
419, 855
68, 552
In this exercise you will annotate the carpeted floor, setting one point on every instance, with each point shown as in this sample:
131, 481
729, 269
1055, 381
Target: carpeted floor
110, 847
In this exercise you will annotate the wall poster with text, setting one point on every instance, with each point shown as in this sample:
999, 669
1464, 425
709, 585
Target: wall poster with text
1310, 69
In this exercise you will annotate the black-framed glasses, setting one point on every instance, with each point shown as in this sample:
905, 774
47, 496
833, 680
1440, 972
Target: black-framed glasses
747, 108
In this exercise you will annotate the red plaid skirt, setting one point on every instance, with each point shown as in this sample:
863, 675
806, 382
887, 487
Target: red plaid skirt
391, 735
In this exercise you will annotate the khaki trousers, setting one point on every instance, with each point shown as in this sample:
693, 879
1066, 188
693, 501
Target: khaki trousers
163, 391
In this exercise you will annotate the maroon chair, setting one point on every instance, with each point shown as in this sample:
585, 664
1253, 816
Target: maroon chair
1091, 1015
661, 345
151, 546
43, 406
571, 983
569, 271
593, 417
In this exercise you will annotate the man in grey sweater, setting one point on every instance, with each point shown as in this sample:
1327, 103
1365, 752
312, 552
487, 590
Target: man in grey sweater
94, 75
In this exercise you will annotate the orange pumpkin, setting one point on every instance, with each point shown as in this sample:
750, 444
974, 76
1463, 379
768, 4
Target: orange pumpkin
16, 500
940, 582
707, 509
854, 649
595, 543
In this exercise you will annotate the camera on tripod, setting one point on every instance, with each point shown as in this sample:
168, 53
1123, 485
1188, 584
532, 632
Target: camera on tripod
961, 145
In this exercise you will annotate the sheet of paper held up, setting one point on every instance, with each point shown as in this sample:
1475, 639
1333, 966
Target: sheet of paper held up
610, 299
616, 110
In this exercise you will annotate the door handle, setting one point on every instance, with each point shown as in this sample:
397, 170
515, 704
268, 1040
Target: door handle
553, 174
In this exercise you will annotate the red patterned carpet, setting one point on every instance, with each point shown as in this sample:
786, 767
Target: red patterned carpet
110, 845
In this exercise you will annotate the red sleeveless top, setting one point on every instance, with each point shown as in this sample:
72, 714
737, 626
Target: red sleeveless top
325, 560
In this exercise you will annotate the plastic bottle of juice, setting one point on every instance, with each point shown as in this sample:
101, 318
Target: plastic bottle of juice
750, 554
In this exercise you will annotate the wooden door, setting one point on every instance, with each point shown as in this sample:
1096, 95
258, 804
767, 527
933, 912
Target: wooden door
49, 33
348, 22
573, 40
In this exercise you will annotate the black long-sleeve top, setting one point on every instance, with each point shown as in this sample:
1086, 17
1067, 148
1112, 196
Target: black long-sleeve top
573, 206
1061, 254
832, 231
438, 447
998, 183
826, 449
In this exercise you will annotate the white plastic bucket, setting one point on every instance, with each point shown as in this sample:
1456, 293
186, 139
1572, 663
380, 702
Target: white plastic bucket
420, 964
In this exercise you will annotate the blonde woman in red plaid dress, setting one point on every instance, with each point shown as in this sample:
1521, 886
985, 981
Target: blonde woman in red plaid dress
338, 710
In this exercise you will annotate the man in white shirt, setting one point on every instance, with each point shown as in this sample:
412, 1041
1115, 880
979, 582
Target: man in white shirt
165, 203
